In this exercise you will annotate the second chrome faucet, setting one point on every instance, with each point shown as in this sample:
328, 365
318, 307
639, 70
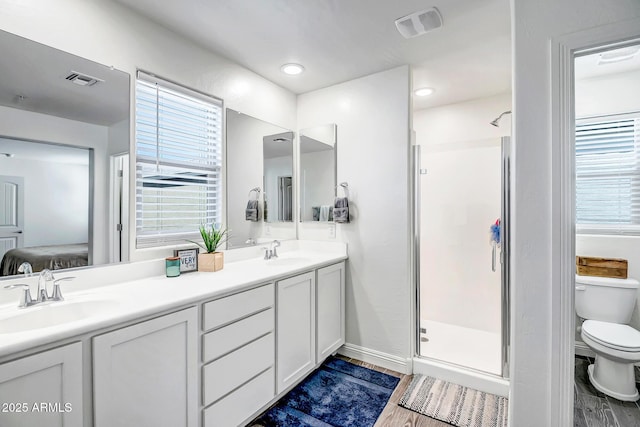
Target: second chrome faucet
271, 252
45, 277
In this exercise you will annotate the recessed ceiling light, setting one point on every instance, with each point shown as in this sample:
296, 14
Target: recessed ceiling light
292, 69
424, 91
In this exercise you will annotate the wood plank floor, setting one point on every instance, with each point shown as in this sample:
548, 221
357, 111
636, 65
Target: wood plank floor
394, 415
594, 409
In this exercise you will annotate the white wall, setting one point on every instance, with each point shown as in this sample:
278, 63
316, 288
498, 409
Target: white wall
463, 121
118, 138
56, 200
317, 174
460, 200
373, 120
114, 35
610, 94
534, 24
42, 127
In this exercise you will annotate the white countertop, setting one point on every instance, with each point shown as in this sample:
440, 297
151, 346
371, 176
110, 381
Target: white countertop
130, 300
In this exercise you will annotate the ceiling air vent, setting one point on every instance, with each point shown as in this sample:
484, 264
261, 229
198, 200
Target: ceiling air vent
419, 23
82, 79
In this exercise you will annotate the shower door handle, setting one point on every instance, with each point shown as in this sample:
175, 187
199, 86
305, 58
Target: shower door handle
493, 257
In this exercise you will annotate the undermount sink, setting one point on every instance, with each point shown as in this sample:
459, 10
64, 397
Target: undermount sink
280, 262
52, 314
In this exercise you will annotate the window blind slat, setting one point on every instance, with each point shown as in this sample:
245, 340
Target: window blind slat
178, 162
607, 174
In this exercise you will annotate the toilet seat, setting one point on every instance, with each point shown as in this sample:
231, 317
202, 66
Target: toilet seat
612, 335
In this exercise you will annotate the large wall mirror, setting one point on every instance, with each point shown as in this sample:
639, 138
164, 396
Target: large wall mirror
318, 153
259, 180
64, 148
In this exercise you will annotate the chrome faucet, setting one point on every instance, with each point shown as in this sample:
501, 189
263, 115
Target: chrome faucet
45, 277
25, 298
271, 252
56, 295
275, 244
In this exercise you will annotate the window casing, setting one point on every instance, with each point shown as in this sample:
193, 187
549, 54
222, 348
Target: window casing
608, 174
178, 162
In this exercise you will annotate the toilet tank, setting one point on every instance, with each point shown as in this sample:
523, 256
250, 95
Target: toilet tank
606, 299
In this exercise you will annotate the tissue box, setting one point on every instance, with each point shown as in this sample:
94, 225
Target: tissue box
602, 267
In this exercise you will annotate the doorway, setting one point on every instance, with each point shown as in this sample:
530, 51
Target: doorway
564, 50
11, 213
607, 174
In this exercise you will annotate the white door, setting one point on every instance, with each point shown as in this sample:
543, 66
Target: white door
147, 374
330, 294
295, 326
43, 390
11, 213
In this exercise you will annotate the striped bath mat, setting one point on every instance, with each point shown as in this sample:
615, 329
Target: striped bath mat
455, 404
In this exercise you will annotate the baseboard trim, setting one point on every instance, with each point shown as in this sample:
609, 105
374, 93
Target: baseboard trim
378, 358
583, 350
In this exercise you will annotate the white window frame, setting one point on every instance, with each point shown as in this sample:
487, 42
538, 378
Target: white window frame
613, 229
209, 168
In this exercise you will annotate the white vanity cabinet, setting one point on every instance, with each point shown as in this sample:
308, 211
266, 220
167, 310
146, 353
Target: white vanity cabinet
146, 374
296, 329
217, 359
238, 355
43, 390
330, 310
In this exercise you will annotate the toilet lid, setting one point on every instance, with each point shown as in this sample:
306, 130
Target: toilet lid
613, 335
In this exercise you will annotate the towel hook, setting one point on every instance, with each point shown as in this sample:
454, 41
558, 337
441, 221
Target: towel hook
257, 191
344, 186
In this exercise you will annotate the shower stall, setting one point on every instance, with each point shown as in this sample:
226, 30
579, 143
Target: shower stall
461, 198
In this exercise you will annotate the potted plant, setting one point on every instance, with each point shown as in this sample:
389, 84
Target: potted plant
212, 238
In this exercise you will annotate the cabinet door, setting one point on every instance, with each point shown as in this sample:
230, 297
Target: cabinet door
295, 327
146, 374
330, 310
43, 390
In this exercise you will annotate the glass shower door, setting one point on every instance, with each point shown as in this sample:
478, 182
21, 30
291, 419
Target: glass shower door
461, 302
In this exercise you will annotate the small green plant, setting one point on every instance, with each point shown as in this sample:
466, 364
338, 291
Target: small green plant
212, 237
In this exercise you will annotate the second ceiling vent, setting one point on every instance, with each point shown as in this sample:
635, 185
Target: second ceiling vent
419, 23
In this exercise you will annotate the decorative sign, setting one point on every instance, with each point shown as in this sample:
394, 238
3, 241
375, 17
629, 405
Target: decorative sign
188, 259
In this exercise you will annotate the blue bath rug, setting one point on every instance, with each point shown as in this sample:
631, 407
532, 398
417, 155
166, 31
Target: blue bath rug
338, 394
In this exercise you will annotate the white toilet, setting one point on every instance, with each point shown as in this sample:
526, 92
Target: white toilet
607, 305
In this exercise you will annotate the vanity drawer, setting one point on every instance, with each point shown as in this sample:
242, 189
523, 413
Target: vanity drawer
234, 307
234, 369
242, 403
224, 340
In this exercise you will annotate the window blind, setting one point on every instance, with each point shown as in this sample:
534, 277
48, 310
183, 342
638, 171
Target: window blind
178, 162
607, 174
